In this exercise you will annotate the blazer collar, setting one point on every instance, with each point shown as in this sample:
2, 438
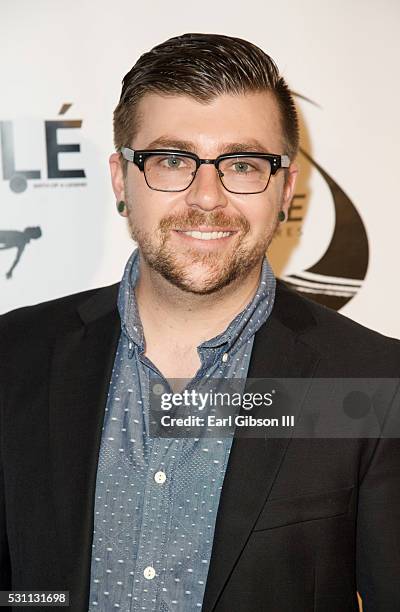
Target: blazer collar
99, 304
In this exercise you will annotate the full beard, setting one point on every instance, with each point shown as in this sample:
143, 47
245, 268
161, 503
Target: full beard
222, 270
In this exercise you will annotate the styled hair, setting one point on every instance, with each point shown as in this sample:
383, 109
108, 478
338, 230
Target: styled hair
203, 66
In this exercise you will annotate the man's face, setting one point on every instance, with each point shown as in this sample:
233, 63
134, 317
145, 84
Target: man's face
156, 219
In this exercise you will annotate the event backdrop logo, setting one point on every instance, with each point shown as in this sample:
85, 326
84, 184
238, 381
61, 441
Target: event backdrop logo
18, 179
337, 275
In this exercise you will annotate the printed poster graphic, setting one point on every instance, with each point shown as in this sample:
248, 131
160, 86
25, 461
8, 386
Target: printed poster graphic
52, 175
336, 277
335, 268
16, 239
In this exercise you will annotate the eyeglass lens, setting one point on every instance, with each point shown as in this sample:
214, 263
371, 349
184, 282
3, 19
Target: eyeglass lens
238, 174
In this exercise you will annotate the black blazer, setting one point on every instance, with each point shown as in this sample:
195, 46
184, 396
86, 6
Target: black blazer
302, 524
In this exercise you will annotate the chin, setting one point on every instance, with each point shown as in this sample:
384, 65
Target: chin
204, 284
200, 289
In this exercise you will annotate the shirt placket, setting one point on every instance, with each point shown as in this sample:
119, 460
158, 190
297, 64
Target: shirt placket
155, 523
156, 515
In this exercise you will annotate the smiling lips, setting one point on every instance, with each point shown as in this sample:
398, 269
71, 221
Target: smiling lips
205, 233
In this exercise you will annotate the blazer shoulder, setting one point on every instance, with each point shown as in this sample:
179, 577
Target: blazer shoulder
332, 333
51, 316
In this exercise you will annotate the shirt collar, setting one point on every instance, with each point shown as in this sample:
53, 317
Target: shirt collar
250, 319
127, 304
239, 330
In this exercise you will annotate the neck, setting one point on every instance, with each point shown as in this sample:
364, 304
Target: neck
166, 310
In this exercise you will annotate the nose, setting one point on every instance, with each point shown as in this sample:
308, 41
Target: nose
206, 191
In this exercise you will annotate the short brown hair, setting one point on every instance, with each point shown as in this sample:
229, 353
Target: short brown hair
203, 66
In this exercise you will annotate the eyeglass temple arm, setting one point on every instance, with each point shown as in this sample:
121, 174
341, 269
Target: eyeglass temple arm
128, 154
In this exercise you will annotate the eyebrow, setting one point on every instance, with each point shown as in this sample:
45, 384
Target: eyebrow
224, 147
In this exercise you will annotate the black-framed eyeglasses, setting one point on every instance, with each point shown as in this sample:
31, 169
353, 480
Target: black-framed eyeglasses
172, 170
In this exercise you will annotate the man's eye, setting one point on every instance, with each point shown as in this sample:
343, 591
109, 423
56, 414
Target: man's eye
242, 167
172, 162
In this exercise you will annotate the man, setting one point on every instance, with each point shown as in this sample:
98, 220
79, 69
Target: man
206, 136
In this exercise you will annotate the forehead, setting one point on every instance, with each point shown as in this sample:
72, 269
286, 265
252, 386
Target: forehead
251, 118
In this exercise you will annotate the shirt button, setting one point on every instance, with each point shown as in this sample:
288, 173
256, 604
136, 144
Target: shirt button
160, 477
149, 572
225, 357
158, 389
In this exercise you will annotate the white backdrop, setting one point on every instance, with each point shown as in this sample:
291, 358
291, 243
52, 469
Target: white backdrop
342, 56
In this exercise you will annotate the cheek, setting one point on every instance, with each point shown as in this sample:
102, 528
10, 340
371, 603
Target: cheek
137, 190
140, 201
148, 207
142, 216
261, 215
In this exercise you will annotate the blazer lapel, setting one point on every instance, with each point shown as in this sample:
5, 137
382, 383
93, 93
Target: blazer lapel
80, 375
255, 462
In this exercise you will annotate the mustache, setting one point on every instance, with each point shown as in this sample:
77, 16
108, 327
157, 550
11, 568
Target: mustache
192, 218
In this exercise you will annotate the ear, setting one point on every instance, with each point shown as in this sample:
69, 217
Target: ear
288, 189
117, 179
